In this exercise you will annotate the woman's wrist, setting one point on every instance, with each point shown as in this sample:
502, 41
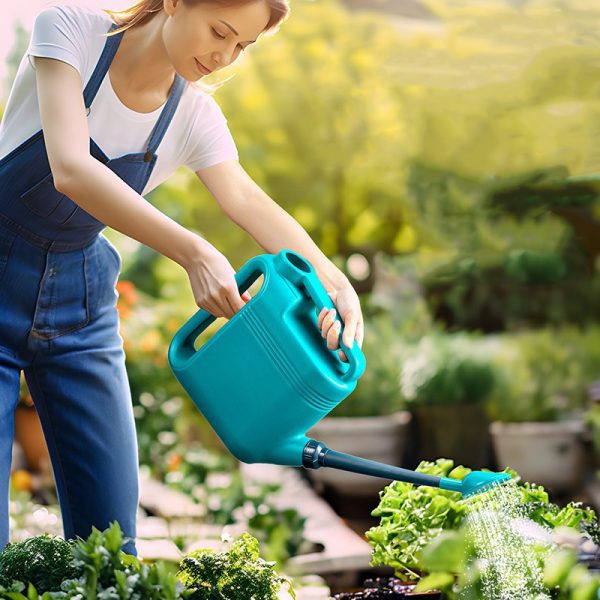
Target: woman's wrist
335, 280
190, 249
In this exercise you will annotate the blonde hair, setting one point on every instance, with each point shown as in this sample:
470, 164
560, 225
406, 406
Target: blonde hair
144, 10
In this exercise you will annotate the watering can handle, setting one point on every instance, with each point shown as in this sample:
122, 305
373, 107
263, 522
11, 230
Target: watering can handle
356, 359
182, 346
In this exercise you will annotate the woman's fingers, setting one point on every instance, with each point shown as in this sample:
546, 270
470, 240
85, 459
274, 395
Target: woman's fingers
333, 335
350, 326
327, 319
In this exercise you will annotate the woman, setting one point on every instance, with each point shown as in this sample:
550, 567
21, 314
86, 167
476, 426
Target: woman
94, 121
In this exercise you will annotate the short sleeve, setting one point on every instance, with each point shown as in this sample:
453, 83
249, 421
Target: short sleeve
57, 34
210, 140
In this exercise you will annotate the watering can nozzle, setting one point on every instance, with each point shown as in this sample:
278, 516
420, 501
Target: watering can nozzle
476, 482
316, 454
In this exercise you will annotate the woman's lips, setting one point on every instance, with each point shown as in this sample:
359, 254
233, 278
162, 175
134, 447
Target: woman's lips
201, 68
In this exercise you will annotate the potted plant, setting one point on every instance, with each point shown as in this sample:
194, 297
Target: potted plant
446, 387
371, 422
538, 404
430, 536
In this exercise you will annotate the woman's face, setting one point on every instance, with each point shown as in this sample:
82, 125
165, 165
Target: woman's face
203, 37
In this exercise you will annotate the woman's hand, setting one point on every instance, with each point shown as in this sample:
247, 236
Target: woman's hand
213, 282
347, 303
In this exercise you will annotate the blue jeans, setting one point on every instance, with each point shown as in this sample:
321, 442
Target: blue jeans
59, 324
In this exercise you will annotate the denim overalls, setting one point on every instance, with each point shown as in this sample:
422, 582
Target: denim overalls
59, 324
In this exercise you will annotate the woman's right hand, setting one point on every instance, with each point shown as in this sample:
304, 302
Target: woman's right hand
213, 282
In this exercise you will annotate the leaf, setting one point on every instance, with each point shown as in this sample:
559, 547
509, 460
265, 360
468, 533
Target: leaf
447, 552
435, 581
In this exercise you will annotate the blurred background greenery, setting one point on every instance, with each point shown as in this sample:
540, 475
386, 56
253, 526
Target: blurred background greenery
446, 156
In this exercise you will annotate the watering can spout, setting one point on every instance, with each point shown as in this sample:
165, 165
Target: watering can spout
317, 454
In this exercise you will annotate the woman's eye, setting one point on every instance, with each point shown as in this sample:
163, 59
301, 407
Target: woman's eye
217, 34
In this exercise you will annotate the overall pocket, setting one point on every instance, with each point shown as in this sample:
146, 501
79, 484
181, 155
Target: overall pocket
44, 200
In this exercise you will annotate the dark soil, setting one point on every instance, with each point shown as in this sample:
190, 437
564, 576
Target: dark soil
387, 588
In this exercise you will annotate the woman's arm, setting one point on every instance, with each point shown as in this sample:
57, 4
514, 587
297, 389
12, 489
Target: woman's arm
246, 204
102, 193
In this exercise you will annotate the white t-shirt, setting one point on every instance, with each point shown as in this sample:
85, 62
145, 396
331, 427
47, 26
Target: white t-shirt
197, 137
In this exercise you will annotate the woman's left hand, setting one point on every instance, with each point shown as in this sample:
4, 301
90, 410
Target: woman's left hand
346, 301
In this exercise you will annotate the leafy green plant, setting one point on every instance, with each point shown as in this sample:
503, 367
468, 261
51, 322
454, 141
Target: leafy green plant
412, 516
99, 570
234, 574
29, 561
451, 563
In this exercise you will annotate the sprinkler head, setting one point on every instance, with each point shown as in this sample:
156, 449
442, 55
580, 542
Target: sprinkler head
475, 482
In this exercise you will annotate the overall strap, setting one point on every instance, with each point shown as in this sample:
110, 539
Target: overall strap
165, 117
104, 62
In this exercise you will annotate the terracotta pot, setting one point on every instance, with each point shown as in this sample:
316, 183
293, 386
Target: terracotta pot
459, 432
29, 434
377, 438
550, 454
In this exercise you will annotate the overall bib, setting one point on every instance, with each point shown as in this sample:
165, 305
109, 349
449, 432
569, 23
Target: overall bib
59, 324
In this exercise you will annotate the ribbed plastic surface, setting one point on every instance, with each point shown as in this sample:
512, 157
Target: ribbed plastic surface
266, 377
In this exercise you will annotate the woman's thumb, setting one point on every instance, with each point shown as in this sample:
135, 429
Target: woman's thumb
246, 296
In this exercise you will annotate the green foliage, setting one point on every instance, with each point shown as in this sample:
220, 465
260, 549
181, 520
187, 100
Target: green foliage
542, 375
535, 267
441, 370
99, 570
235, 574
571, 581
413, 517
29, 561
461, 580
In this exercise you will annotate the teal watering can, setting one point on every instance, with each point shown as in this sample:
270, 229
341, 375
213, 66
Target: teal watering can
266, 377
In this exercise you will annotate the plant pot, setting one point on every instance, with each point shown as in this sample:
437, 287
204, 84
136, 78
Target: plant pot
550, 454
29, 434
377, 438
459, 432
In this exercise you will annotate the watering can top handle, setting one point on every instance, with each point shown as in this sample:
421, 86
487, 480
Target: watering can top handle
302, 272
182, 345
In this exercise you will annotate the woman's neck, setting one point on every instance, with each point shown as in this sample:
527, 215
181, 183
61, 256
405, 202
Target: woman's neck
141, 60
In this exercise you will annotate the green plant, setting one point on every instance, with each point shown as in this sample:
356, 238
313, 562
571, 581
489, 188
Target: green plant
99, 570
451, 563
441, 370
234, 574
29, 561
412, 516
542, 375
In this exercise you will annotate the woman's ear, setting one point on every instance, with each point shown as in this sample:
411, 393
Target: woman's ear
170, 6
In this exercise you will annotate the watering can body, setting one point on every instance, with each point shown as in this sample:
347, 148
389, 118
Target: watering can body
266, 376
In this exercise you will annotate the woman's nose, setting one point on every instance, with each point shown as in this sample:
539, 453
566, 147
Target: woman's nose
222, 58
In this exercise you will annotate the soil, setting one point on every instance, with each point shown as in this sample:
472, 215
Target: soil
387, 588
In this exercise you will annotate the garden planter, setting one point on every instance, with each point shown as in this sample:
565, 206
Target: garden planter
377, 438
29, 434
550, 454
459, 432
